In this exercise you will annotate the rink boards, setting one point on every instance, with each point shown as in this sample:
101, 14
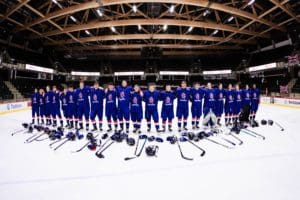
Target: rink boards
14, 107
279, 101
285, 102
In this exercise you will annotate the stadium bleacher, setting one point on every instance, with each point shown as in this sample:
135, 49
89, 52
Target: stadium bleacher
27, 86
4, 92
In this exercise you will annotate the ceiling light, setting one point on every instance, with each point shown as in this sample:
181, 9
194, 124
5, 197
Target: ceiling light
250, 2
56, 2
113, 29
215, 32
172, 9
139, 27
87, 32
99, 12
190, 29
73, 18
230, 19
165, 27
206, 12
134, 8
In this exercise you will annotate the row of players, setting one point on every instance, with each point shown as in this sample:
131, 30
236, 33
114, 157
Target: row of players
125, 102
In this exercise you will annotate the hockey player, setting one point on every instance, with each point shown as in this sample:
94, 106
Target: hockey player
197, 94
56, 106
182, 111
71, 108
123, 93
64, 105
209, 107
151, 97
97, 95
136, 108
83, 106
254, 102
35, 106
229, 104
42, 105
111, 111
238, 102
167, 111
209, 100
246, 96
220, 94
48, 104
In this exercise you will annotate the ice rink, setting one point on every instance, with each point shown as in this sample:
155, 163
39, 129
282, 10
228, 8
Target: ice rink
258, 169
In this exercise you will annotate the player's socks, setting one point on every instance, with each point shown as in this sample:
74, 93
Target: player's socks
54, 123
121, 124
197, 123
148, 126
179, 123
80, 125
156, 126
116, 125
100, 126
185, 124
94, 127
134, 130
170, 128
127, 124
164, 126
71, 124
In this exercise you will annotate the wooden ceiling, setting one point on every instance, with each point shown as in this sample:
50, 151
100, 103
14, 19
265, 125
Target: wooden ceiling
83, 27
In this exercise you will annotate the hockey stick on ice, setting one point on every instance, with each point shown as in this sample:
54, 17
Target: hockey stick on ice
39, 140
179, 147
255, 133
213, 141
281, 128
139, 153
84, 146
99, 153
64, 141
18, 131
203, 151
50, 145
235, 137
31, 139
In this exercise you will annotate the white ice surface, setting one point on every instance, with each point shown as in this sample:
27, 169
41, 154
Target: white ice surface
257, 169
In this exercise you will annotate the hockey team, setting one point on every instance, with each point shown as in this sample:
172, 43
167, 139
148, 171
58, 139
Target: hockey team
124, 103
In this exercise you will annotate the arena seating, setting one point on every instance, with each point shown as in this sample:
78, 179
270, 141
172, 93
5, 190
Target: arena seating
4, 92
27, 86
296, 88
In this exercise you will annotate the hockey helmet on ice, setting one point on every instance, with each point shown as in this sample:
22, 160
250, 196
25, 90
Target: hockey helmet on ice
130, 141
263, 122
151, 150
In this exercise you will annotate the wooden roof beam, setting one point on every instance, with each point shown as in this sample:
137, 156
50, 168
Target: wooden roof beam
15, 8
285, 9
150, 36
252, 21
50, 21
134, 22
202, 3
163, 46
138, 53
